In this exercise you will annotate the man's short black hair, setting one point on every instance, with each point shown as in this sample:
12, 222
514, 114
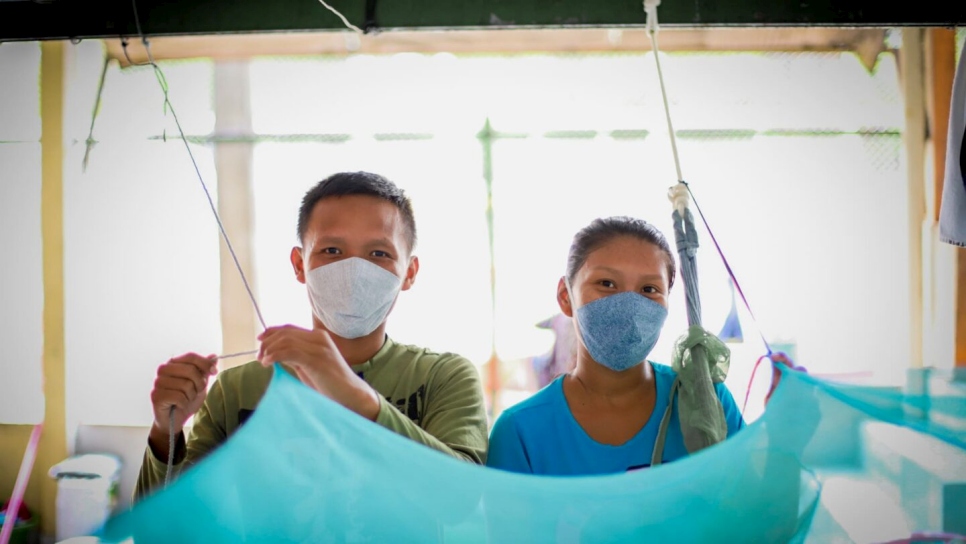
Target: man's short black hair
358, 183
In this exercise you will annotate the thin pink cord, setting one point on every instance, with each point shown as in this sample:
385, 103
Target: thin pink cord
791, 364
27, 465
750, 382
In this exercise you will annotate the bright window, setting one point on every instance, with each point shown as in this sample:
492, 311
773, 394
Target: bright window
799, 178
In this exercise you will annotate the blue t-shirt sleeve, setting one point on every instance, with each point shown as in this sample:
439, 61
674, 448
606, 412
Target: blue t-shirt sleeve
506, 450
731, 412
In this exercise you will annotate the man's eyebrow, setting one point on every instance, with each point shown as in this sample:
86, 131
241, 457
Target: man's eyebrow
383, 241
330, 240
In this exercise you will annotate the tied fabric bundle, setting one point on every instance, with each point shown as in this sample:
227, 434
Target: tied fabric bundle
701, 415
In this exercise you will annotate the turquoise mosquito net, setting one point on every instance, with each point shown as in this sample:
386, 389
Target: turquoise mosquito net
304, 469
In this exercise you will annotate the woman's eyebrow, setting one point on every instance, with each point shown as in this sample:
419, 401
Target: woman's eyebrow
616, 272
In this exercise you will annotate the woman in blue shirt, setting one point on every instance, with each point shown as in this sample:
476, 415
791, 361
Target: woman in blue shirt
604, 416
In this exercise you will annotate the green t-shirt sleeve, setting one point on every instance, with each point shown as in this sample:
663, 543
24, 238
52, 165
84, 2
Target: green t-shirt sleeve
455, 418
206, 433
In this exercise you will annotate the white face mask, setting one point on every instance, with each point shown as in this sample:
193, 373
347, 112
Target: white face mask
352, 297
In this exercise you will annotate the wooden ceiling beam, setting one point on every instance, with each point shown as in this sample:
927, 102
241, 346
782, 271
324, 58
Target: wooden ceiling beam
868, 43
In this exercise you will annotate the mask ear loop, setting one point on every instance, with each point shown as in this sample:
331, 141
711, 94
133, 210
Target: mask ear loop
573, 306
570, 297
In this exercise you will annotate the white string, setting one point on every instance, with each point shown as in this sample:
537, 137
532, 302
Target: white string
171, 446
167, 102
340, 16
168, 106
650, 8
239, 354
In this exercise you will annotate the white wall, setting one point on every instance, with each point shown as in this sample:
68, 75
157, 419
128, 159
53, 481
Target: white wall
21, 279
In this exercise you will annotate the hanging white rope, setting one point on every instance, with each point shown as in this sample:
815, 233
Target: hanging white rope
684, 233
345, 21
650, 8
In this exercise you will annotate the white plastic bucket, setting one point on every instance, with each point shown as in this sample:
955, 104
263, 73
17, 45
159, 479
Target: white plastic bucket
86, 493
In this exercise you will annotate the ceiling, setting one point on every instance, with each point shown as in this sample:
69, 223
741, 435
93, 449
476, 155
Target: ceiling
74, 19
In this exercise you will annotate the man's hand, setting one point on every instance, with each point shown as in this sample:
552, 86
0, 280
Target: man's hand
319, 364
182, 382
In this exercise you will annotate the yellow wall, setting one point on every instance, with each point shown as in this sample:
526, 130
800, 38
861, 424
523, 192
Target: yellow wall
53, 443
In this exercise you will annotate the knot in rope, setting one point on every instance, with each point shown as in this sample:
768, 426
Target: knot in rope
650, 8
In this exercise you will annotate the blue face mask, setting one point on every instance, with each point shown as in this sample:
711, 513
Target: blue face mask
620, 330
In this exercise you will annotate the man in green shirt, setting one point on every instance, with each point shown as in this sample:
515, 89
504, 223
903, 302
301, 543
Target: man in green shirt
357, 234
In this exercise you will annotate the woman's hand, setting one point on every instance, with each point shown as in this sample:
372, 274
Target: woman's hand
780, 358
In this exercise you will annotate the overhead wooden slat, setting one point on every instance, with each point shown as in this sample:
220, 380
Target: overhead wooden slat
867, 42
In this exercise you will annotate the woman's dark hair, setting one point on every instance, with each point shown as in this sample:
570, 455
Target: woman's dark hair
603, 230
